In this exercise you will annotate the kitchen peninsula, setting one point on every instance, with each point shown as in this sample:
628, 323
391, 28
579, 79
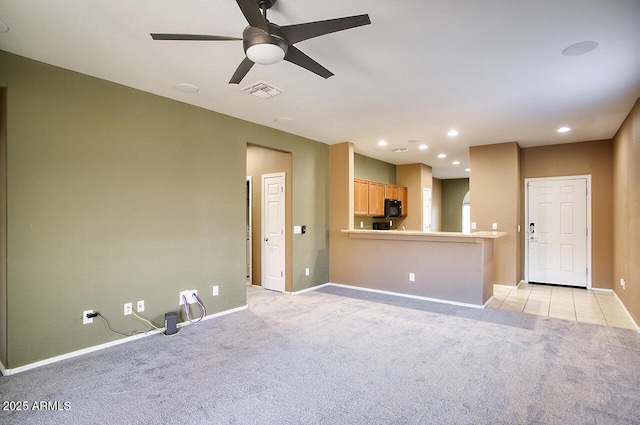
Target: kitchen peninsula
443, 266
450, 267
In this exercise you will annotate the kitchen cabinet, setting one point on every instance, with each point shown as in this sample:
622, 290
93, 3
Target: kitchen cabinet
390, 191
369, 196
402, 197
360, 198
376, 199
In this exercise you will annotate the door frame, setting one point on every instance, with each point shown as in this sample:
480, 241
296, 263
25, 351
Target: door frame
263, 252
587, 177
250, 227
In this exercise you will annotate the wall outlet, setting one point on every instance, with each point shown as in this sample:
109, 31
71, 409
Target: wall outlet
140, 306
494, 226
362, 224
623, 284
474, 226
128, 308
306, 271
412, 277
215, 290
189, 295
86, 320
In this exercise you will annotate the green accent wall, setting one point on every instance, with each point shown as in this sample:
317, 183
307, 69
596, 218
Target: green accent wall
453, 193
366, 168
115, 195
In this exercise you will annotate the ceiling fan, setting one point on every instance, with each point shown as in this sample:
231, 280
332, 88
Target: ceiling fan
266, 43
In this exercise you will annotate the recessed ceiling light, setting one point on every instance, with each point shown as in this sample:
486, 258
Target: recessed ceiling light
563, 129
452, 133
4, 27
456, 162
186, 88
284, 120
423, 147
580, 48
467, 169
442, 156
382, 143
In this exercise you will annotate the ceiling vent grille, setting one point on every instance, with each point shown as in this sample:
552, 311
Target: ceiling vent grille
400, 150
262, 90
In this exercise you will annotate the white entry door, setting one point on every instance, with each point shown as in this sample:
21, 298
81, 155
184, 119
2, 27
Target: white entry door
426, 209
557, 231
273, 237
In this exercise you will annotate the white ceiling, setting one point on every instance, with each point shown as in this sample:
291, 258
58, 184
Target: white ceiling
491, 69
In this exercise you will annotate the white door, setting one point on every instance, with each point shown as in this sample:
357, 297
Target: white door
557, 231
273, 249
426, 209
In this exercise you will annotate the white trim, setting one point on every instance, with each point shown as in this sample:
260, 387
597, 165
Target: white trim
13, 371
313, 288
633, 322
500, 285
587, 177
415, 297
250, 225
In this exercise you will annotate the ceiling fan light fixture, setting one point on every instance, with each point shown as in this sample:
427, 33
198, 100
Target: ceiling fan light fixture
265, 54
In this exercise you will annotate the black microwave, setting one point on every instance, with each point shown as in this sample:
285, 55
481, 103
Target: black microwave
392, 208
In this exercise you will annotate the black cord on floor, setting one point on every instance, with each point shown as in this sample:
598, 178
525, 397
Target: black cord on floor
133, 332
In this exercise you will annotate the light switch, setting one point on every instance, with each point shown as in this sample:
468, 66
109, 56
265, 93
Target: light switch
297, 230
473, 225
494, 226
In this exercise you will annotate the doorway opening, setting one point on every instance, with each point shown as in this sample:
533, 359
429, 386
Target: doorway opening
263, 161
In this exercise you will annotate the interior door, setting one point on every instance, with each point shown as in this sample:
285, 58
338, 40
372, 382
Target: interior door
273, 236
426, 209
557, 231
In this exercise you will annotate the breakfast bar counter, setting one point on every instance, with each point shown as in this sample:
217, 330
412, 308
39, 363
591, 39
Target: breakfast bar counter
448, 267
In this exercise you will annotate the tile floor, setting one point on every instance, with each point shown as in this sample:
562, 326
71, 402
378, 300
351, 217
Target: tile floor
561, 302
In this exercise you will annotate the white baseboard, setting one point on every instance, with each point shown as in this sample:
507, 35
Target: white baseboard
415, 297
6, 372
633, 322
313, 288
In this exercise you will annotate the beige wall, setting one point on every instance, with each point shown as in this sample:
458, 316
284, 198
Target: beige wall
587, 158
453, 193
116, 195
265, 161
495, 195
414, 177
436, 205
626, 218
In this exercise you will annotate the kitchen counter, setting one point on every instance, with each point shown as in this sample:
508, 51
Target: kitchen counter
416, 235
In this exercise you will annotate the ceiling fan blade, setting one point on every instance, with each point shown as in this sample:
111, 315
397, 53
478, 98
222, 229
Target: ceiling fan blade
242, 70
251, 12
295, 56
192, 37
300, 32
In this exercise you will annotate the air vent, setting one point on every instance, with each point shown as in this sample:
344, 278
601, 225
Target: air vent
262, 90
400, 150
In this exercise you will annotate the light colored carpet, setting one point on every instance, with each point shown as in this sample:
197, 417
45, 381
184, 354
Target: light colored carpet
339, 356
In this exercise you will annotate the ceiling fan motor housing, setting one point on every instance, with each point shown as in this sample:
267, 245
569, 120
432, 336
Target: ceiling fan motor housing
253, 36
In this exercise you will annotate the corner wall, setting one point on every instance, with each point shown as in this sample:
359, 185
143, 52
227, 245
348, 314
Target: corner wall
115, 195
495, 194
626, 207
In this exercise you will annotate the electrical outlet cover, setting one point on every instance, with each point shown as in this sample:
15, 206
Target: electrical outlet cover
140, 306
215, 291
189, 295
128, 308
86, 320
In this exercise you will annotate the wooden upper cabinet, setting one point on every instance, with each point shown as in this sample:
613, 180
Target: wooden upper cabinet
402, 197
360, 197
368, 197
376, 199
390, 191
